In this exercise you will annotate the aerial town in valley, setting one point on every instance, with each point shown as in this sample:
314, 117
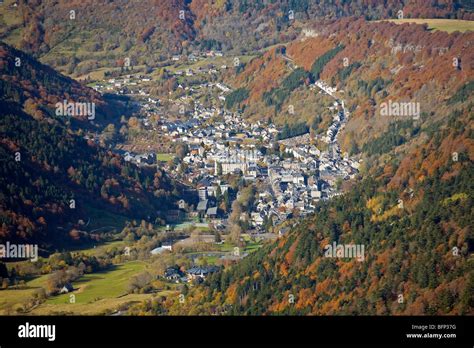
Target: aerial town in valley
237, 172
236, 158
288, 175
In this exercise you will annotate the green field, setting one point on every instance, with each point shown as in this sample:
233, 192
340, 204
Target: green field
210, 260
100, 307
448, 25
217, 61
164, 157
97, 286
16, 297
211, 257
194, 224
249, 247
107, 289
101, 248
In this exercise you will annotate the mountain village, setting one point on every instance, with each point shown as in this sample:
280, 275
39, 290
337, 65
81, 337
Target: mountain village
220, 143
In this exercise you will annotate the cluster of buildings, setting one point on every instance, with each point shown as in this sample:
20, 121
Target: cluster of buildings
147, 158
297, 183
199, 273
197, 55
287, 185
132, 84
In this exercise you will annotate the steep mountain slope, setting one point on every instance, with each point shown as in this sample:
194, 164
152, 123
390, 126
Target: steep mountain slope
103, 33
411, 219
38, 88
411, 208
51, 177
82, 35
417, 260
369, 63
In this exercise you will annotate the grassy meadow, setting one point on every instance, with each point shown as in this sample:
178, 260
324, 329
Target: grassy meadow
448, 25
95, 293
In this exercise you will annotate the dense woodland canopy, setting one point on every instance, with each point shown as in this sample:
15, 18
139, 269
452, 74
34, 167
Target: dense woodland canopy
371, 62
124, 29
46, 162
